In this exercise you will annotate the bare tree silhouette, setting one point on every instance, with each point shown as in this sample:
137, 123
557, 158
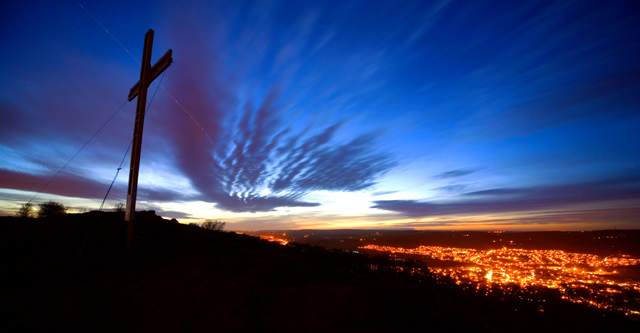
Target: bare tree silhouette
119, 207
214, 225
25, 210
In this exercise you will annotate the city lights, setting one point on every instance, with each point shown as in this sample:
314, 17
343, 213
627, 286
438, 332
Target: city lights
276, 240
579, 277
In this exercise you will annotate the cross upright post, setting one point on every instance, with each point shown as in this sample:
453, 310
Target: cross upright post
148, 73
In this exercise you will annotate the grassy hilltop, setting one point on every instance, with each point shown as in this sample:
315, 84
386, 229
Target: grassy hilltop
181, 278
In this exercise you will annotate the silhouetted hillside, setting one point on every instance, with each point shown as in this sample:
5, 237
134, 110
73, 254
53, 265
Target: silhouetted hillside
181, 278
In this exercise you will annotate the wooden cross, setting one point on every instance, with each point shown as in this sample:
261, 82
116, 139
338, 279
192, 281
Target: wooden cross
148, 73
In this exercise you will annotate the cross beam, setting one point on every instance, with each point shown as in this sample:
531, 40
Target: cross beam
148, 73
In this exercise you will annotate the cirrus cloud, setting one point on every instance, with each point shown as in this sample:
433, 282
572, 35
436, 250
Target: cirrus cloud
521, 199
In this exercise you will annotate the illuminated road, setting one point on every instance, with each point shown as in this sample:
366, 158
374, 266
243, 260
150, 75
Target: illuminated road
276, 240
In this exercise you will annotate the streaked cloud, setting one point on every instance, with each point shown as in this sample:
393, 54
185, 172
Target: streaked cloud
453, 188
265, 165
520, 199
454, 173
376, 194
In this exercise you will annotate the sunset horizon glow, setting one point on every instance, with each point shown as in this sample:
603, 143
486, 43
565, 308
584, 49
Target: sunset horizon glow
280, 115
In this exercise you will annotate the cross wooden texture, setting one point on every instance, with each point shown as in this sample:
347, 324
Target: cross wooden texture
148, 73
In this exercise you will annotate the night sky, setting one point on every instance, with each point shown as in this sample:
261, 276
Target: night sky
489, 115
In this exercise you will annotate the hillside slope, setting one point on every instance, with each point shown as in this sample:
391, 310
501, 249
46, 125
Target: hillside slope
184, 278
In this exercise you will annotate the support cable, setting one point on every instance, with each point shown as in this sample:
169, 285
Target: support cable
116, 176
130, 144
86, 237
107, 31
191, 116
137, 61
81, 148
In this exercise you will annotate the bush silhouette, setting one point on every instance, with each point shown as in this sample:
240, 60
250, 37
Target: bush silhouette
119, 207
52, 208
25, 210
214, 225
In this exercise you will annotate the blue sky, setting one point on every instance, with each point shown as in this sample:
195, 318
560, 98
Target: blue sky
331, 114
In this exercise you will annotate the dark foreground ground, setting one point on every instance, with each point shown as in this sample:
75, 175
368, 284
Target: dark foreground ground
180, 278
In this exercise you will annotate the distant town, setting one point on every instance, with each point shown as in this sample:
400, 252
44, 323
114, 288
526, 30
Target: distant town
597, 268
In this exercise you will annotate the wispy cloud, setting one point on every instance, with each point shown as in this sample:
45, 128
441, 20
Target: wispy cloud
74, 185
454, 173
520, 199
267, 165
497, 192
259, 158
598, 218
377, 194
453, 188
